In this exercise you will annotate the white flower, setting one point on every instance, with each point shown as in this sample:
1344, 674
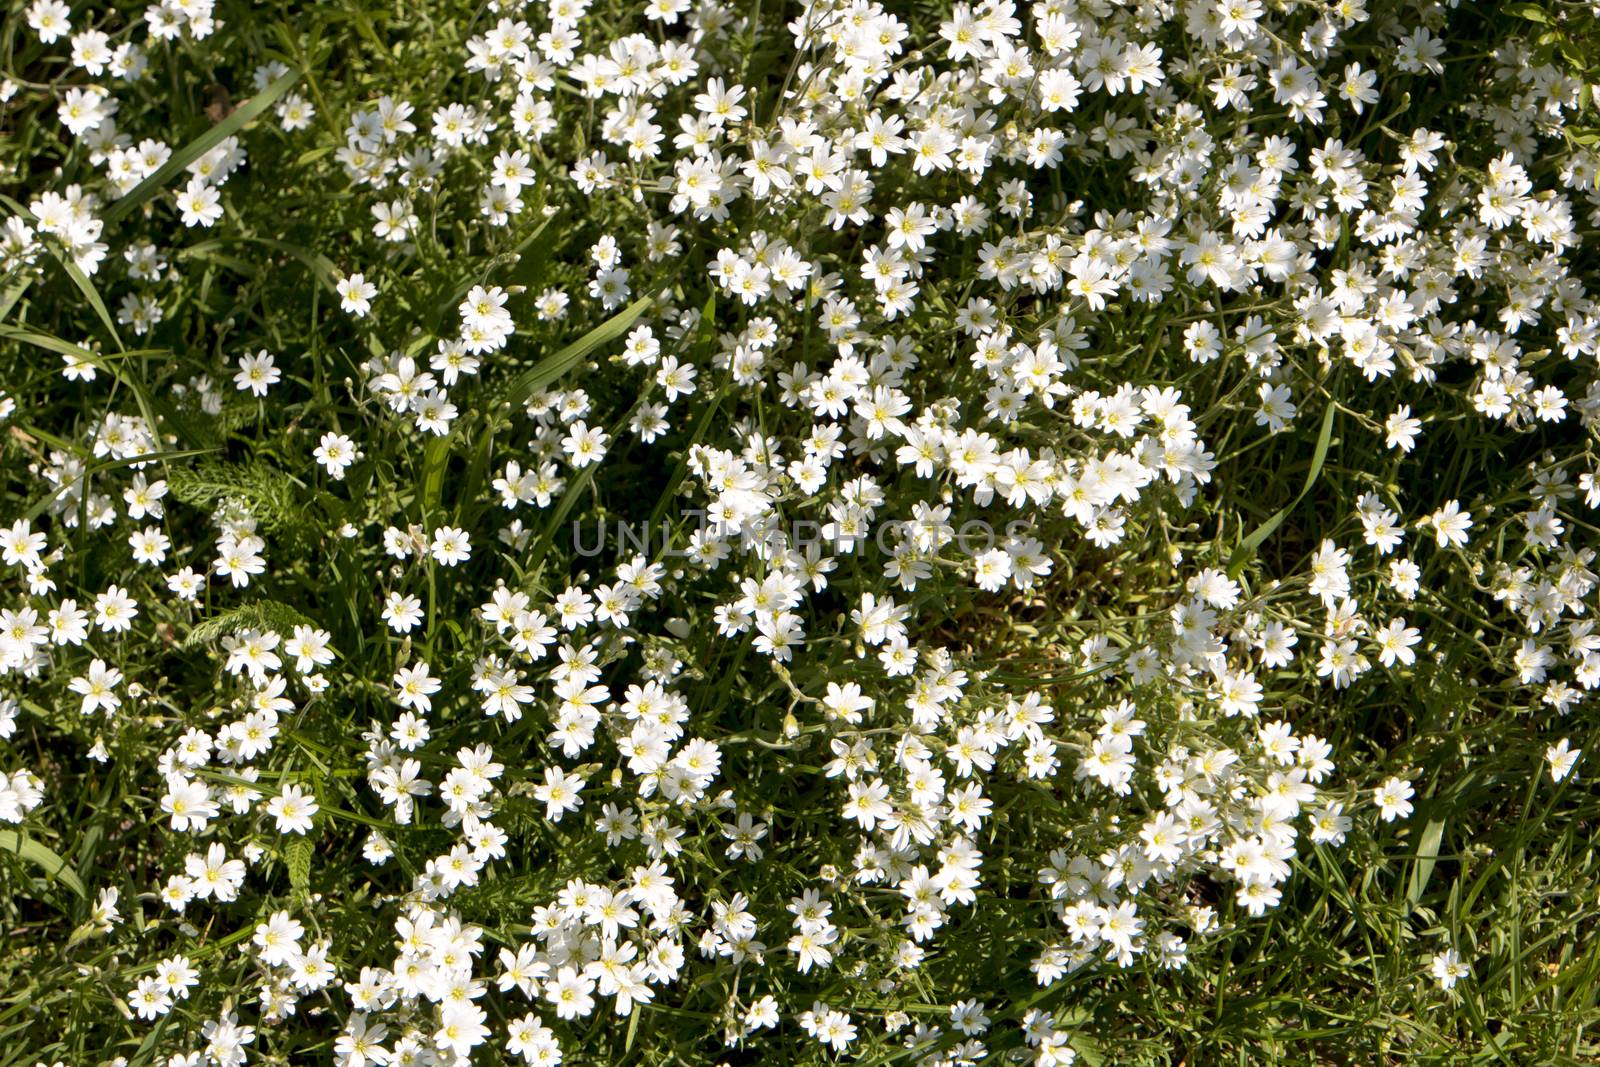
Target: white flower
336, 452
1393, 799
450, 546
188, 802
98, 688
199, 204
1561, 756
20, 545
115, 610
585, 445
559, 793
292, 809
256, 373
402, 612
148, 999
1450, 525
50, 19
278, 939
1448, 968
355, 294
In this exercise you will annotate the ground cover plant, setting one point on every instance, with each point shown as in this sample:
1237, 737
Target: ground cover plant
720, 532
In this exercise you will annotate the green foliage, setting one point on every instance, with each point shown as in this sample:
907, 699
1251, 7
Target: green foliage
254, 615
271, 497
1498, 860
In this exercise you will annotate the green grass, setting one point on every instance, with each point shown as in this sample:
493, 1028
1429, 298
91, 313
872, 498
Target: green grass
1497, 861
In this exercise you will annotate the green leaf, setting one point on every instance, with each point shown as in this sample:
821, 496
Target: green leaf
198, 147
1247, 547
275, 499
525, 270
78, 278
13, 295
1531, 12
575, 489
468, 507
702, 425
91, 294
320, 266
67, 348
297, 857
705, 337
553, 367
435, 461
36, 853
256, 615
116, 367
145, 1052
1427, 857
633, 1029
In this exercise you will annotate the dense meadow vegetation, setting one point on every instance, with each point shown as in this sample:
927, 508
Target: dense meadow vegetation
757, 531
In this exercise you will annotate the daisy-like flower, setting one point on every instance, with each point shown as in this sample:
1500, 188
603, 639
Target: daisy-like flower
200, 204
115, 610
292, 810
559, 793
1562, 757
450, 546
1450, 525
98, 688
336, 453
1448, 968
355, 294
278, 939
256, 373
402, 612
1393, 799
585, 445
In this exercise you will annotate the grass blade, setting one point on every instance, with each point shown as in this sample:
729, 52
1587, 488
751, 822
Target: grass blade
1247, 547
57, 868
553, 367
198, 147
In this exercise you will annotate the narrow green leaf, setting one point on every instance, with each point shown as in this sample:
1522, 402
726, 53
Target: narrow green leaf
705, 337
468, 507
91, 294
321, 267
81, 280
633, 1029
13, 295
66, 348
553, 367
702, 425
435, 460
146, 1050
112, 366
524, 272
198, 147
34, 852
575, 489
1427, 857
1247, 547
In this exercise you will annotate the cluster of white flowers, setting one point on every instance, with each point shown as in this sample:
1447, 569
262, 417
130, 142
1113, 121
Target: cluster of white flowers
21, 791
891, 384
